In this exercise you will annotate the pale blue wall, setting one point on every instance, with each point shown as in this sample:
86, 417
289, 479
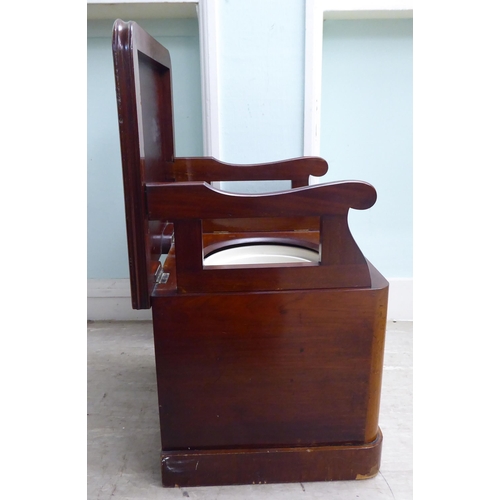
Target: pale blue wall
106, 234
261, 58
366, 130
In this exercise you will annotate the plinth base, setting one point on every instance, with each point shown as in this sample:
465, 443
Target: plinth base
273, 465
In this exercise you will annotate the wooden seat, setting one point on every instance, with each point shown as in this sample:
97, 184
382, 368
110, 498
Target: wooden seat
268, 321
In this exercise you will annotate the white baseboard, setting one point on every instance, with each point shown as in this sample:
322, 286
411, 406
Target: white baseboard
400, 306
109, 300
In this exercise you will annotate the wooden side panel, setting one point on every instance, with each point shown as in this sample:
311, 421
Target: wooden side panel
267, 369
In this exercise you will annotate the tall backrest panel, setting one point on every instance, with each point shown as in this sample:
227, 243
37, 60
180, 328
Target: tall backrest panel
145, 115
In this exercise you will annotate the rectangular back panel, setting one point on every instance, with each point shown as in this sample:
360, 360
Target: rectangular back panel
145, 114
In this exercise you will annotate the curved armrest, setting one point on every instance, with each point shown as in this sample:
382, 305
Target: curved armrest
199, 200
209, 169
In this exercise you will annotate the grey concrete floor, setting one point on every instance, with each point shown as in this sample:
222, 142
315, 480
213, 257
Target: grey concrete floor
124, 437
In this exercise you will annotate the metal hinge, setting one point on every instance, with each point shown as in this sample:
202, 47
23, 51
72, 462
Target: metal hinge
160, 276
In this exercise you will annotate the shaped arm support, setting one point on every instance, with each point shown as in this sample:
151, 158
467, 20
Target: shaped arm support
209, 169
199, 200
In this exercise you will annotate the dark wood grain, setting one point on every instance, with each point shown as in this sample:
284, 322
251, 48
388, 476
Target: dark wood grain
271, 465
209, 169
192, 200
270, 224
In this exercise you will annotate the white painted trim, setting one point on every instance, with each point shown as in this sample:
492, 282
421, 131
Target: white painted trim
366, 5
208, 24
115, 309
118, 2
109, 300
108, 288
140, 9
312, 81
316, 12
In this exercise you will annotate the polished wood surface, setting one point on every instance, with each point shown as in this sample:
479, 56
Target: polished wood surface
189, 200
209, 169
266, 373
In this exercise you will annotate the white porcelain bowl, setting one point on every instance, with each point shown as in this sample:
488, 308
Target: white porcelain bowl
261, 254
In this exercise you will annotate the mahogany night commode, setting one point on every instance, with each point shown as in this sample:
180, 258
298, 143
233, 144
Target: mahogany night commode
269, 323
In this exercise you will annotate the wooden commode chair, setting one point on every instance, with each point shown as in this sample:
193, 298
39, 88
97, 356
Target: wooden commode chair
268, 321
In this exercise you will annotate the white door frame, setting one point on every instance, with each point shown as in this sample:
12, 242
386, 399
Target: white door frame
208, 24
316, 12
